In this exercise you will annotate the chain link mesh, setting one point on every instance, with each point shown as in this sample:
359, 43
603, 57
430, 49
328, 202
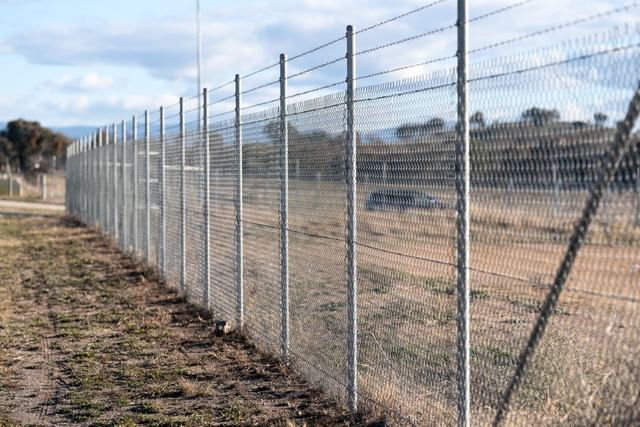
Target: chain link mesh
541, 126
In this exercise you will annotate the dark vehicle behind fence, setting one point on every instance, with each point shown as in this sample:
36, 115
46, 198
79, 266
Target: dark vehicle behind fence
401, 199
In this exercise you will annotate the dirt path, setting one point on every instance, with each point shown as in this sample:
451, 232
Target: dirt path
17, 205
88, 337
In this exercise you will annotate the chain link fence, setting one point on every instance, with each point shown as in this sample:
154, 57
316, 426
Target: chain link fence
265, 243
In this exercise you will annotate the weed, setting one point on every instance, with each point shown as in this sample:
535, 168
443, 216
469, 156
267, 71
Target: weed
440, 285
145, 408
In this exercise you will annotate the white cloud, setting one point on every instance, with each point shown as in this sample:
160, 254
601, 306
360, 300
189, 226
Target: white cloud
88, 82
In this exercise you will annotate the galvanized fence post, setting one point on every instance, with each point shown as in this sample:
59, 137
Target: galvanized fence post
85, 184
206, 207
147, 195
90, 179
352, 255
100, 183
163, 205
183, 202
95, 179
462, 187
125, 216
107, 216
135, 186
284, 209
239, 231
83, 171
115, 183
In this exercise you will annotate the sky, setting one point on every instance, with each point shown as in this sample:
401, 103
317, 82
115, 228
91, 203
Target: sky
91, 63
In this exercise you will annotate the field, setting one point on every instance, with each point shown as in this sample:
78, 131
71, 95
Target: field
585, 370
90, 337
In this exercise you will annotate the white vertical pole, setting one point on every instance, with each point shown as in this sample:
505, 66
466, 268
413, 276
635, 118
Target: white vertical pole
352, 254
462, 187
147, 195
183, 202
108, 183
284, 209
94, 180
239, 228
101, 206
199, 47
125, 214
115, 183
206, 207
135, 186
163, 206
44, 188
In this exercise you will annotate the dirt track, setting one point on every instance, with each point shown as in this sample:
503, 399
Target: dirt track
89, 337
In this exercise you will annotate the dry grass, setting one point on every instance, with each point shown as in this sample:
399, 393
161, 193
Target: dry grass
89, 337
407, 314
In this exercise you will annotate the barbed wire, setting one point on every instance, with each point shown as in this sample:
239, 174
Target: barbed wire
222, 114
260, 70
405, 67
502, 9
316, 48
316, 89
560, 62
259, 104
402, 16
259, 87
325, 107
221, 86
428, 33
317, 67
222, 100
556, 27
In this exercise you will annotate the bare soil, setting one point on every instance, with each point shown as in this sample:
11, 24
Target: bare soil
89, 336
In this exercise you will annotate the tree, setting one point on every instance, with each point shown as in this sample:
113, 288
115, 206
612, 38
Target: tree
600, 119
435, 124
540, 116
414, 130
478, 119
32, 147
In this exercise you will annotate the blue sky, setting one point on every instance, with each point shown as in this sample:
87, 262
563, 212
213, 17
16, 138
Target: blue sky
89, 63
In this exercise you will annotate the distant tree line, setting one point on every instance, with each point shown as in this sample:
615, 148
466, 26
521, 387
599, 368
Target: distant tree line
29, 148
537, 149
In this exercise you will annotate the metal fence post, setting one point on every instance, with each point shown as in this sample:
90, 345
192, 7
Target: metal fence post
90, 180
85, 184
100, 182
125, 235
107, 217
163, 205
147, 196
115, 183
239, 237
183, 202
462, 187
95, 179
135, 186
206, 207
352, 255
284, 209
